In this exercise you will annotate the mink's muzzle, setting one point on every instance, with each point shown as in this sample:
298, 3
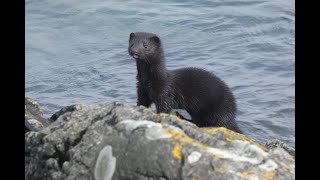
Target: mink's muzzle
136, 54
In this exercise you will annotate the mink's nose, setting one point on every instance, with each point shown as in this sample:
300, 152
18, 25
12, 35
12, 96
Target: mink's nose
134, 51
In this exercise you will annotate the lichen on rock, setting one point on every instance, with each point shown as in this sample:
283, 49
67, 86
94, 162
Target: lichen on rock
122, 141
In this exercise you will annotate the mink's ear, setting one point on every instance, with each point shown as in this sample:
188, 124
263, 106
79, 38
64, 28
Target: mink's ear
131, 36
155, 39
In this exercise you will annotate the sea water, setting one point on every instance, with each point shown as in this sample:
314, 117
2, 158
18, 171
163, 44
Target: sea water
76, 52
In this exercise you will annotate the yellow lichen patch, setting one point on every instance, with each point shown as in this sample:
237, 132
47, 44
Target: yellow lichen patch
88, 170
196, 178
160, 117
268, 176
185, 138
249, 172
163, 115
222, 170
174, 134
173, 116
218, 156
213, 131
177, 152
147, 110
181, 137
231, 135
176, 117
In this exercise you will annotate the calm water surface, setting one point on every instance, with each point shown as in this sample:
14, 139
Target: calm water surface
76, 52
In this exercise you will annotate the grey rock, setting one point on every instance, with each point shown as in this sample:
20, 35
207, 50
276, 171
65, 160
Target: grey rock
34, 120
121, 141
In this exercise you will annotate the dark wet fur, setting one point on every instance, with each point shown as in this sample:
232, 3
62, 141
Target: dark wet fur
203, 95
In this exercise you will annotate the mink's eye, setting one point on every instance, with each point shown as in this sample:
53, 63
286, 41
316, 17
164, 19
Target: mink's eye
145, 45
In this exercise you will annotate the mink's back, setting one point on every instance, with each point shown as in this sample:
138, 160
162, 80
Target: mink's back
199, 89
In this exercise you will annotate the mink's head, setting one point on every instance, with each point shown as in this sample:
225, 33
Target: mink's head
145, 46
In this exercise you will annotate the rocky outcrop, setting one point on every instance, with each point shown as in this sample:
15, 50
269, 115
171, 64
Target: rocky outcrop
34, 120
276, 143
120, 141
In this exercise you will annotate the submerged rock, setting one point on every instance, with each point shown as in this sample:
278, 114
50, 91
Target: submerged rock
120, 141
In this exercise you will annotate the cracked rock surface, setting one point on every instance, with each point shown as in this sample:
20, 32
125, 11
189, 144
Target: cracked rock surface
121, 141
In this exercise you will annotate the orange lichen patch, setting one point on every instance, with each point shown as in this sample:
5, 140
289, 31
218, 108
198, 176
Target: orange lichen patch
249, 172
231, 135
177, 152
230, 139
268, 176
178, 118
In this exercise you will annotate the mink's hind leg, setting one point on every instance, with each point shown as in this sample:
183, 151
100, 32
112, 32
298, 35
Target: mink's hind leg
202, 121
195, 119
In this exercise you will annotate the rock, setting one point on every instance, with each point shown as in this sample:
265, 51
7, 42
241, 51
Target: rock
121, 141
276, 143
34, 120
